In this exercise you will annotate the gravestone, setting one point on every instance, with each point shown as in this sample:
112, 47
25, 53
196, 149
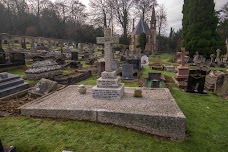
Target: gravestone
43, 87
17, 58
154, 80
155, 84
154, 76
196, 58
101, 66
74, 56
196, 81
183, 70
218, 60
170, 68
135, 62
43, 69
127, 71
2, 56
108, 86
144, 60
11, 84
217, 81
114, 65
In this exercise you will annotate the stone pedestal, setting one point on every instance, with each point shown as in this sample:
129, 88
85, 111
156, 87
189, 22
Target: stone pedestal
108, 86
182, 73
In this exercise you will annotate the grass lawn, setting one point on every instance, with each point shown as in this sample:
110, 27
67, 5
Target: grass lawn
206, 128
207, 125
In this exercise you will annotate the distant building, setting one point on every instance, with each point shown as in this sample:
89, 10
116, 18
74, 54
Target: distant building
142, 27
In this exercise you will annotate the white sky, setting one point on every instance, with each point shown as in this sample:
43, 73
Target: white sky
174, 11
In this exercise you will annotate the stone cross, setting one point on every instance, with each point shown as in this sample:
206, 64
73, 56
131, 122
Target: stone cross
182, 54
212, 56
108, 40
196, 58
218, 51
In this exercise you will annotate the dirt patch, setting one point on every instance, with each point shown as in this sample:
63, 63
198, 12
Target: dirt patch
10, 106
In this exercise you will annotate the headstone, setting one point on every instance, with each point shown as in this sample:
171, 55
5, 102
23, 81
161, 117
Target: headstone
170, 68
196, 58
108, 86
154, 76
183, 70
222, 86
135, 62
196, 81
43, 69
217, 81
155, 84
11, 84
74, 56
101, 66
218, 60
2, 56
17, 58
43, 87
212, 56
114, 65
127, 71
144, 60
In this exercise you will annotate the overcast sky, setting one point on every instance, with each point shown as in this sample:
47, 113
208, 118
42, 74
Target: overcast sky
174, 11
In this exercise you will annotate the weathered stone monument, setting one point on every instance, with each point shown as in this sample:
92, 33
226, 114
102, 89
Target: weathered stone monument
108, 86
144, 60
11, 84
183, 70
196, 58
217, 81
44, 69
218, 60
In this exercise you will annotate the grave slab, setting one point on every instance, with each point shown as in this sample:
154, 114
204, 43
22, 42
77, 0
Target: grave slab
155, 113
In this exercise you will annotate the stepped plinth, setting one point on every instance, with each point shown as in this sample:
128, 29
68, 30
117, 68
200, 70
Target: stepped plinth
108, 85
11, 84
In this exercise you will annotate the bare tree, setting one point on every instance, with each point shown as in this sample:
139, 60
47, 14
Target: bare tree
77, 12
122, 9
101, 12
144, 7
161, 21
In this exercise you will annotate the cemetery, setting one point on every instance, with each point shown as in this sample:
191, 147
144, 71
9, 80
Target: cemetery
103, 91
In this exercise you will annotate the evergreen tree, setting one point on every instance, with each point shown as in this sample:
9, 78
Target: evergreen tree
142, 40
199, 27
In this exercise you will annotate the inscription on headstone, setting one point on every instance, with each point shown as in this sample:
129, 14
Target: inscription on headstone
127, 71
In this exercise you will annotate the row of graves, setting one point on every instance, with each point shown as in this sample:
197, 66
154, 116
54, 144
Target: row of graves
152, 111
200, 78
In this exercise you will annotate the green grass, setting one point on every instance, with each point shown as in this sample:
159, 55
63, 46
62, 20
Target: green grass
207, 125
206, 128
19, 72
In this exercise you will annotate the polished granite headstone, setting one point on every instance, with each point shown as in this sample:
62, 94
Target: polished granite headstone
127, 72
196, 81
